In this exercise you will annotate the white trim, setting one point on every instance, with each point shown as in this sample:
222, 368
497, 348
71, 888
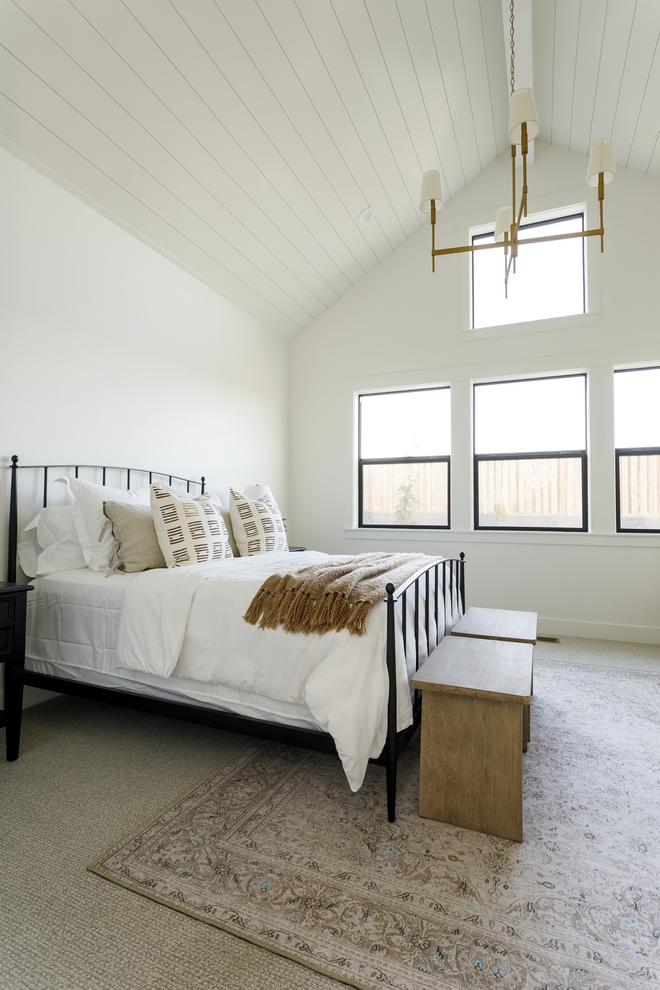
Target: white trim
545, 207
641, 540
532, 326
617, 631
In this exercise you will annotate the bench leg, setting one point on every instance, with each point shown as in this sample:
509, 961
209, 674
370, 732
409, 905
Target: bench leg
471, 763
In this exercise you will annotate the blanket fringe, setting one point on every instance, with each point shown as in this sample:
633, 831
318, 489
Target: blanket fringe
305, 601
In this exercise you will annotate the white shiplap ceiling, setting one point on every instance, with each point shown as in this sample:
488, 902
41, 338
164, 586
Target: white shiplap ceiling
243, 137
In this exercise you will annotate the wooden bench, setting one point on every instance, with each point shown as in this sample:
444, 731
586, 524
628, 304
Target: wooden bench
506, 625
474, 695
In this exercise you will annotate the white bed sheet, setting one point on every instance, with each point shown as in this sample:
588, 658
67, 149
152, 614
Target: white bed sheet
72, 627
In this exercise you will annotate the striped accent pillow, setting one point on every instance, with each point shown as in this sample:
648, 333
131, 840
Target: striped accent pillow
189, 530
257, 524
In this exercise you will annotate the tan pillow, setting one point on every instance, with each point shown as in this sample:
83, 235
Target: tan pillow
133, 529
189, 530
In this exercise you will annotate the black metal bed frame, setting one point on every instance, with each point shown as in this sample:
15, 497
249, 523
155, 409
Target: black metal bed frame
436, 590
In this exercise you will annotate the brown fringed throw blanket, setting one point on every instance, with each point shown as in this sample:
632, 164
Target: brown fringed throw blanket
336, 594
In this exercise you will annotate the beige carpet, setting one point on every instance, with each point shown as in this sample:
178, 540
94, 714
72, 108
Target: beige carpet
275, 849
89, 773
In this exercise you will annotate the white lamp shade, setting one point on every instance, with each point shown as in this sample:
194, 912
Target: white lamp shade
503, 222
522, 109
257, 491
431, 189
602, 160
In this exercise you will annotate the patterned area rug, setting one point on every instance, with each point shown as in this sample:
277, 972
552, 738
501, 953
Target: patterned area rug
274, 848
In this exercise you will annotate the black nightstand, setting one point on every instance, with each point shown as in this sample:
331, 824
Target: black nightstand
13, 602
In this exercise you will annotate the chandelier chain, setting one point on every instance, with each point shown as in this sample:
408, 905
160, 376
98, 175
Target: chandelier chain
512, 46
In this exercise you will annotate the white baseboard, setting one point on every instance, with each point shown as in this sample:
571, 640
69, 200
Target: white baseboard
619, 632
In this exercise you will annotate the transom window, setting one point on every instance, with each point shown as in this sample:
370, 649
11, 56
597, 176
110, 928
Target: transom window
637, 443
530, 460
549, 281
404, 443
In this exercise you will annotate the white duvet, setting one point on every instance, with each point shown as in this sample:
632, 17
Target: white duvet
188, 622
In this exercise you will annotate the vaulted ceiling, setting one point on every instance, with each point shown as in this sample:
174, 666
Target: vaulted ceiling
242, 138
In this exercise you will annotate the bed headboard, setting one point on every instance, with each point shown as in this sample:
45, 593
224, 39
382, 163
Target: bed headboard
124, 474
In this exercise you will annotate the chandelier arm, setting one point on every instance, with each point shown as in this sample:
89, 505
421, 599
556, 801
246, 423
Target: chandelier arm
515, 228
601, 197
470, 248
524, 149
433, 217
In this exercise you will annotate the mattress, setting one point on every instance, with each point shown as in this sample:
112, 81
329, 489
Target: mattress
72, 629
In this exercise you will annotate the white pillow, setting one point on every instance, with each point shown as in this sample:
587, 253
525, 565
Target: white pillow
94, 531
257, 524
50, 543
189, 530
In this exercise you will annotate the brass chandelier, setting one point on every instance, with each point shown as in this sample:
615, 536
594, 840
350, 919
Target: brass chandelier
524, 126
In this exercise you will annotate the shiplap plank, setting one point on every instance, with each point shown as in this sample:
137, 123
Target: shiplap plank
40, 101
618, 26
567, 19
130, 40
317, 48
441, 152
287, 127
591, 30
342, 153
49, 62
473, 51
389, 75
543, 31
23, 130
216, 34
654, 164
491, 18
442, 16
643, 40
199, 77
645, 138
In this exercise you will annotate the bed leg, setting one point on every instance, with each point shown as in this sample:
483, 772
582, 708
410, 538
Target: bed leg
390, 753
390, 771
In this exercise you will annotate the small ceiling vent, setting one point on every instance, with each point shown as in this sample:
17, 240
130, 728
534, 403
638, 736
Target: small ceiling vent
547, 639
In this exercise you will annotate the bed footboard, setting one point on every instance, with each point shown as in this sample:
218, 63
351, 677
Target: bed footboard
443, 601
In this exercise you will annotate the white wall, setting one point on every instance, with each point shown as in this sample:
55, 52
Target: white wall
403, 325
111, 354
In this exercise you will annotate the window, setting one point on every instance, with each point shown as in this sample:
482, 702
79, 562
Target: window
404, 441
549, 280
530, 469
637, 442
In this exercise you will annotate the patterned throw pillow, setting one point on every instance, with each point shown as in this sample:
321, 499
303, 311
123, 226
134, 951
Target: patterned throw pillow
257, 524
189, 530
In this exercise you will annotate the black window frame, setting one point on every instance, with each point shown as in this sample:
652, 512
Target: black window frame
534, 455
529, 226
620, 452
366, 461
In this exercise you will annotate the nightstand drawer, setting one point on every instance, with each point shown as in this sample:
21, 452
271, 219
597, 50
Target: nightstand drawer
7, 609
6, 640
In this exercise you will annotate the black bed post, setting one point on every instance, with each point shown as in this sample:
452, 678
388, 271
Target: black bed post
12, 536
461, 581
390, 753
203, 483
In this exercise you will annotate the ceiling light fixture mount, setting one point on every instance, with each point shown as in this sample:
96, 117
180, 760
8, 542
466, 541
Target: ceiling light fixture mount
366, 215
524, 126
